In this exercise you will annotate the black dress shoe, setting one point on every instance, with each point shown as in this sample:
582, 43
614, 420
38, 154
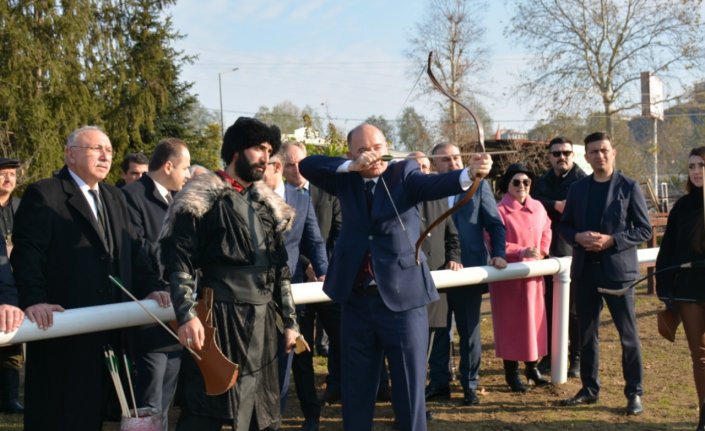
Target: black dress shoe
533, 375
470, 397
634, 406
433, 392
574, 369
579, 399
310, 424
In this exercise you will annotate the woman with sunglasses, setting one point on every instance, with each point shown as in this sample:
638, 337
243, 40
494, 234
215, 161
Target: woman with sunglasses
682, 289
518, 311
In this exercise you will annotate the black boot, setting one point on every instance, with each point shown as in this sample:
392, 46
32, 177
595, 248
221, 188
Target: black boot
701, 422
511, 374
10, 381
574, 368
533, 375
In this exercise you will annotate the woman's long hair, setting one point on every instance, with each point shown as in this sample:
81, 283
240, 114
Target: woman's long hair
698, 236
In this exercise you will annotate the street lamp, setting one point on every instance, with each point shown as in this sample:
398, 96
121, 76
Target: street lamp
220, 93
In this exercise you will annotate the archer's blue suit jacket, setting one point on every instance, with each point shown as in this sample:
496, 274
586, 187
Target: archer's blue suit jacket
625, 217
401, 283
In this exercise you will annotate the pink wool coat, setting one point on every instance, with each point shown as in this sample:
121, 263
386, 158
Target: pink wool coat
518, 311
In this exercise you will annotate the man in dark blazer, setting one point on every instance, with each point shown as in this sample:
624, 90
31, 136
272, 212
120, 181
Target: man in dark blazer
157, 355
605, 219
480, 215
304, 237
374, 275
327, 209
71, 232
442, 249
551, 190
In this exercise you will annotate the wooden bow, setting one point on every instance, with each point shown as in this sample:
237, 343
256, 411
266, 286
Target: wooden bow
475, 184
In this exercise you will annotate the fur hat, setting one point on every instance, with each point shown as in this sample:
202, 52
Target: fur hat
246, 133
513, 169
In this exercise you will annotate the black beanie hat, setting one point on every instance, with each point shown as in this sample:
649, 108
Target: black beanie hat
513, 169
248, 132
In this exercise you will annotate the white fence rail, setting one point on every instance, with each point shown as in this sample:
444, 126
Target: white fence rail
127, 314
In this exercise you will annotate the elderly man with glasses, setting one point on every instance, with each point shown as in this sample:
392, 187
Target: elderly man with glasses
71, 232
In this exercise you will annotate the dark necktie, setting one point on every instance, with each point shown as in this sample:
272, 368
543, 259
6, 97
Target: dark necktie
168, 198
369, 185
100, 211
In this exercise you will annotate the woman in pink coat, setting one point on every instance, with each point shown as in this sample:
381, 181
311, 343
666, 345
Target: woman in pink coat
518, 311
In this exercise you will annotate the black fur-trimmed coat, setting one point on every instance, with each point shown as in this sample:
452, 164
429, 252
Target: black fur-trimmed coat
202, 229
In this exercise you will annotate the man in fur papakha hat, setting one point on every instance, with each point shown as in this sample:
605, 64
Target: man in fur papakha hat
229, 225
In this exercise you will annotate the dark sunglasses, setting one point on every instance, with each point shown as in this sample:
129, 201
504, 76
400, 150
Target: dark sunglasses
517, 183
564, 153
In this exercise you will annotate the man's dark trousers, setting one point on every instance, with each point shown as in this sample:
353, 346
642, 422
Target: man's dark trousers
403, 338
464, 303
589, 303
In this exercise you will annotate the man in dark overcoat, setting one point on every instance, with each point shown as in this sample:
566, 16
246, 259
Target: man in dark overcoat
71, 232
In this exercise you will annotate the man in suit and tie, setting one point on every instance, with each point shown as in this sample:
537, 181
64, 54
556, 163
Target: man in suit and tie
304, 236
480, 215
71, 232
327, 209
442, 247
606, 218
374, 275
157, 355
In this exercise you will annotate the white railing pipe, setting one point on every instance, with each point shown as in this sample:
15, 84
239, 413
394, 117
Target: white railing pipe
127, 314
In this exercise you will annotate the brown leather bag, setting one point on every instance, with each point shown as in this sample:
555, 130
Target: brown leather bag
219, 373
668, 322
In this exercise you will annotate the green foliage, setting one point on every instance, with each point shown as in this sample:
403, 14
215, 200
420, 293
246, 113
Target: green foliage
336, 144
107, 63
413, 131
289, 117
382, 124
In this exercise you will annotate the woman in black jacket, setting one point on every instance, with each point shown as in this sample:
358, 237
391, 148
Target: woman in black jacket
682, 289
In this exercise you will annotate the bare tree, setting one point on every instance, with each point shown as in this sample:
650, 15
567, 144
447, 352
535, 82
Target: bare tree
589, 53
452, 29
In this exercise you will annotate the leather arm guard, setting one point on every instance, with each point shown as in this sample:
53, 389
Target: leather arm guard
182, 286
287, 307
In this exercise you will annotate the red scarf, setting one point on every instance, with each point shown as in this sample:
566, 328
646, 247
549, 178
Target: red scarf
232, 181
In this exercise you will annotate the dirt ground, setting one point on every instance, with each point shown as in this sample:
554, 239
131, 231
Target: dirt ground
669, 399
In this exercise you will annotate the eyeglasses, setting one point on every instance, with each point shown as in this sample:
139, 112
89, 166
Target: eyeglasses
557, 154
525, 182
96, 149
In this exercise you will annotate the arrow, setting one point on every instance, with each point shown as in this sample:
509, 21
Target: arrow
389, 157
